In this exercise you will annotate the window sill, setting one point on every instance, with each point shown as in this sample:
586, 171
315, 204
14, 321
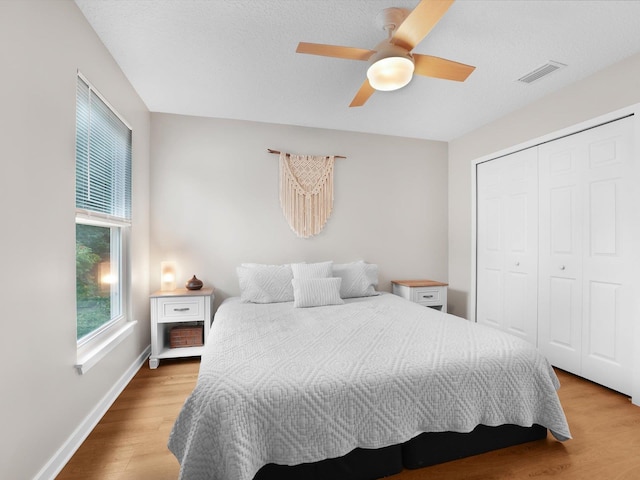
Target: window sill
99, 350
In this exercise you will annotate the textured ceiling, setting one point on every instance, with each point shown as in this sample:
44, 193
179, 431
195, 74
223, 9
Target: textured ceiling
236, 58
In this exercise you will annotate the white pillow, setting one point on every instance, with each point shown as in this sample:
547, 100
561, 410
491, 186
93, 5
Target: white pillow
316, 292
252, 265
359, 279
312, 270
265, 283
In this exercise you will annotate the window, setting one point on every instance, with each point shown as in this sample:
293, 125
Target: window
103, 214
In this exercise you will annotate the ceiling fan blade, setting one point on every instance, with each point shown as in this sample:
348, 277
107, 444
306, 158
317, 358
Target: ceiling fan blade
350, 53
366, 90
419, 23
429, 66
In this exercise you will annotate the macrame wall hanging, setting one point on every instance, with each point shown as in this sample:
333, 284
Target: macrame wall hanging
306, 191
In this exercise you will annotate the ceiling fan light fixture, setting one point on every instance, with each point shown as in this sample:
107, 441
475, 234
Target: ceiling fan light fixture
391, 68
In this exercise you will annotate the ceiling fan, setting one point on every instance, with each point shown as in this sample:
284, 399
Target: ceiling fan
392, 64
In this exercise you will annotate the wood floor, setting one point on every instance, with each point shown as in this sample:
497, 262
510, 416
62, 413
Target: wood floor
130, 441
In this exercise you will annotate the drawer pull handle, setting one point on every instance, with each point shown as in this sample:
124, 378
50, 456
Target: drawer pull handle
562, 267
183, 309
427, 296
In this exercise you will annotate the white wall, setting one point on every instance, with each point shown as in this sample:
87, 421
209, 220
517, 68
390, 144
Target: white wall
43, 400
608, 90
214, 191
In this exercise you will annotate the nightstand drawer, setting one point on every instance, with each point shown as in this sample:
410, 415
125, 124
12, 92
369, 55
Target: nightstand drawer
427, 296
427, 293
181, 309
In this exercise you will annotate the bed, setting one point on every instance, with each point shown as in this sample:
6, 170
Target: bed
282, 386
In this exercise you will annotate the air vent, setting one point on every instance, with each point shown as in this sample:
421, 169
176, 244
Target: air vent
542, 71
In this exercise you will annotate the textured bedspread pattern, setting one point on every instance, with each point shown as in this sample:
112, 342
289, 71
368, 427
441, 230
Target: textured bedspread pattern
284, 385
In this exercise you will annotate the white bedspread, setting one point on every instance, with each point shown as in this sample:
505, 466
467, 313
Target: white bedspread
288, 386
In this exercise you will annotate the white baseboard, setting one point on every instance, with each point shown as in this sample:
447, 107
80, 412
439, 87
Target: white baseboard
66, 451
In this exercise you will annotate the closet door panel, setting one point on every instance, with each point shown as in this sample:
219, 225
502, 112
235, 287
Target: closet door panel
603, 221
601, 327
562, 219
489, 244
516, 293
506, 269
608, 270
562, 306
521, 247
490, 298
560, 329
560, 253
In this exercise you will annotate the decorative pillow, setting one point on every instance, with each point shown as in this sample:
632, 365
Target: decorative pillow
316, 292
253, 265
359, 279
265, 283
312, 270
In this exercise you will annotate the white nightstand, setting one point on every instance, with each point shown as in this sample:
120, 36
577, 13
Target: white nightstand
178, 308
425, 292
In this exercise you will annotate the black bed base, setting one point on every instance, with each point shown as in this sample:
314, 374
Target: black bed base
439, 447
359, 464
422, 451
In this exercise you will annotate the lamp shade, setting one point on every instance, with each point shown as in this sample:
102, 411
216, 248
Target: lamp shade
167, 276
391, 68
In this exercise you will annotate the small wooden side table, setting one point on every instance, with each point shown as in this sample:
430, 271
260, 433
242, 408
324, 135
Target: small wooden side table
176, 308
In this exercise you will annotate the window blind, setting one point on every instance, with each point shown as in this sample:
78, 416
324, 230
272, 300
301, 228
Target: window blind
103, 156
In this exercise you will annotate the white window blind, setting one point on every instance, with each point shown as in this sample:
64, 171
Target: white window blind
103, 157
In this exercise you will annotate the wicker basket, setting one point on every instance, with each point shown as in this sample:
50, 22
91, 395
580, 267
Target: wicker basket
186, 336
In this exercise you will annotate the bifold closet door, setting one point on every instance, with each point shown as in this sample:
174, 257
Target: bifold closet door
586, 277
507, 210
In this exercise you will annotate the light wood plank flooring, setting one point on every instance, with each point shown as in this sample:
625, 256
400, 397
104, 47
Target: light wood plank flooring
130, 441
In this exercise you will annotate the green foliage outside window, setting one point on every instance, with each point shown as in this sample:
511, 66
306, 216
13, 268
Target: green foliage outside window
93, 292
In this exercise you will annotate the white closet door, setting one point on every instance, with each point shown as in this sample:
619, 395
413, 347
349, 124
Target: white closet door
506, 295
560, 268
608, 283
489, 244
585, 276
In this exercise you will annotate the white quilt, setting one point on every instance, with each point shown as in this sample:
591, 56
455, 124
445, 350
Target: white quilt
289, 386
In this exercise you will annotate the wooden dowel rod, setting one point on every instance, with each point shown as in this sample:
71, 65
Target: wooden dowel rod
278, 153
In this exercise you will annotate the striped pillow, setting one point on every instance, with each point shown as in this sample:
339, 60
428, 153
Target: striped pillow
312, 270
316, 292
